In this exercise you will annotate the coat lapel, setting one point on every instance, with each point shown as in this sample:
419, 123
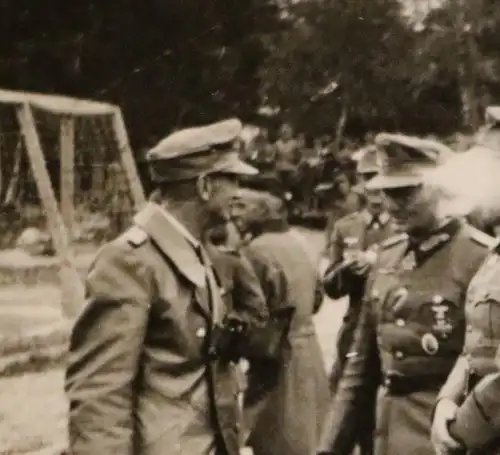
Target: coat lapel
179, 251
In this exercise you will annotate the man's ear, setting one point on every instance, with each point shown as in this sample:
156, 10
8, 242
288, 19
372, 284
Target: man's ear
204, 187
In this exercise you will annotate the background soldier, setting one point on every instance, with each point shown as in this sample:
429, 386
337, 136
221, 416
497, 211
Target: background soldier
147, 375
352, 250
410, 328
294, 410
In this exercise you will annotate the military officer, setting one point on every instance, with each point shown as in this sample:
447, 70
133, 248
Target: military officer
352, 244
411, 327
474, 424
353, 248
146, 376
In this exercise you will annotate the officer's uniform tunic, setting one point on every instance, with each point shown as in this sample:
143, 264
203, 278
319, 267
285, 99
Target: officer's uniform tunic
412, 330
145, 376
476, 374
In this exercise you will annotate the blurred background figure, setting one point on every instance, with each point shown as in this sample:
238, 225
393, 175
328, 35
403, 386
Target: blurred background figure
351, 251
287, 156
290, 421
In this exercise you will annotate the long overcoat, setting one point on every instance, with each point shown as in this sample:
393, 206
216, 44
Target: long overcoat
290, 422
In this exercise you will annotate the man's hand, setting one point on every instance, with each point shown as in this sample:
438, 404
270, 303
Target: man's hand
441, 439
361, 262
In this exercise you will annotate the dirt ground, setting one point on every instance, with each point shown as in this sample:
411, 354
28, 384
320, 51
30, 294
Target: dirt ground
32, 406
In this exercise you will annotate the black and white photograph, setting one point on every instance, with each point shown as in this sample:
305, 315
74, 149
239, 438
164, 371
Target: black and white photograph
250, 227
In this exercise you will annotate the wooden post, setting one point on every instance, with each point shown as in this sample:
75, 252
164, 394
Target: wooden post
67, 171
71, 282
127, 159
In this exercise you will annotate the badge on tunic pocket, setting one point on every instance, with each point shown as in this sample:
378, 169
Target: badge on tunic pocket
430, 344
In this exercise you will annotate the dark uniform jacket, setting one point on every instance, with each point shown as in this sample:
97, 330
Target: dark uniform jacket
240, 286
476, 375
357, 230
290, 419
411, 329
361, 231
342, 207
139, 379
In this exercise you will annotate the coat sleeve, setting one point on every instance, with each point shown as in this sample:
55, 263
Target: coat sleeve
455, 386
250, 300
271, 277
105, 350
356, 389
338, 280
477, 421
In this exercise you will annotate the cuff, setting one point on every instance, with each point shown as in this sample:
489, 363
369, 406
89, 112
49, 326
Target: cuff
471, 427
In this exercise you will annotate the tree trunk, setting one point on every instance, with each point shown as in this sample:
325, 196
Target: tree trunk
341, 123
468, 57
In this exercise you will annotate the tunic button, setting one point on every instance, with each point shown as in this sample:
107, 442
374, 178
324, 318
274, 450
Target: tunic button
400, 322
399, 355
437, 299
201, 332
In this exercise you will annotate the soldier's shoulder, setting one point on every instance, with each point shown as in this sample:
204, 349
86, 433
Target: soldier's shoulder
479, 238
121, 250
393, 240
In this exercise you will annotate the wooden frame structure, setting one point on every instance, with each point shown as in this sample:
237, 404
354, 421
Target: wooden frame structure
60, 217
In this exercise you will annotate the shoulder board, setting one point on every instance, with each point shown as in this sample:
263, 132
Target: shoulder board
136, 236
482, 238
394, 240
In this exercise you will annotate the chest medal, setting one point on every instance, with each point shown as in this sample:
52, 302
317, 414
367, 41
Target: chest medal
430, 344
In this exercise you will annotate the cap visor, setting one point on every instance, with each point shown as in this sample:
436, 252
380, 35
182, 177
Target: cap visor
381, 182
239, 167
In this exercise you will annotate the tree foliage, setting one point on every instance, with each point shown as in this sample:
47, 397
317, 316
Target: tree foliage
166, 63
349, 66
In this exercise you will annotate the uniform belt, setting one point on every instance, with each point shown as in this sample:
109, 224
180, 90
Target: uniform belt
400, 385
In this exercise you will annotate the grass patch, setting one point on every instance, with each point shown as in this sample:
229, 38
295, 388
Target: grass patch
38, 351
